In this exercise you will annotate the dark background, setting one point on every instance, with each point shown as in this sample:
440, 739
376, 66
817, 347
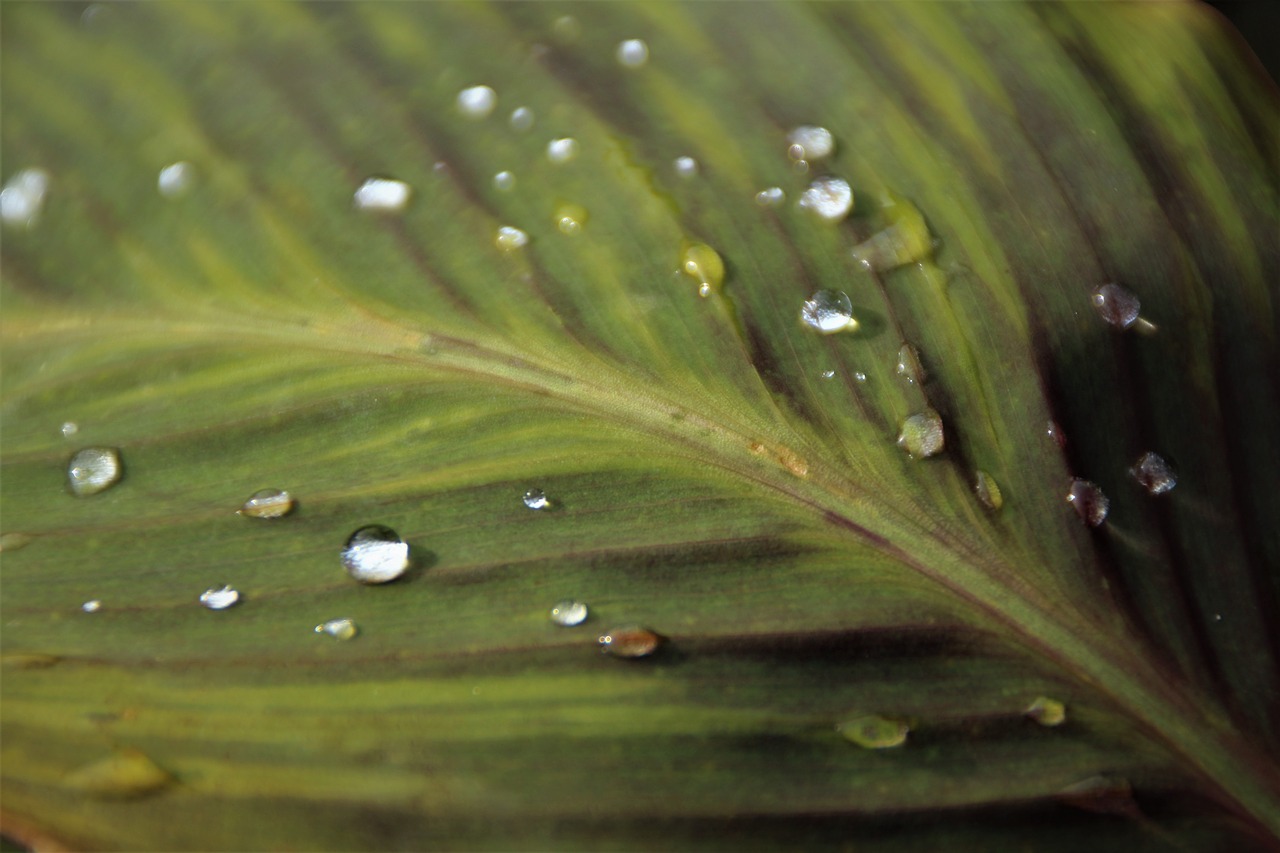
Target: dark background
1259, 22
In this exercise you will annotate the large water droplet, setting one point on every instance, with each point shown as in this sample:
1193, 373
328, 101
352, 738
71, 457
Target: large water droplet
1154, 473
909, 366
176, 179
1046, 711
510, 238
476, 102
522, 119
536, 499
375, 554
383, 195
686, 167
342, 629
94, 470
771, 197
905, 238
570, 218
1089, 502
267, 503
810, 143
874, 732
829, 311
22, 197
126, 774
569, 613
922, 435
987, 490
830, 199
633, 53
704, 265
631, 641
562, 150
216, 598
93, 605
1116, 305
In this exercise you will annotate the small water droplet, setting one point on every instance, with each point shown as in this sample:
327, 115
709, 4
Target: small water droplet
216, 598
69, 429
375, 554
91, 606
860, 376
1116, 305
922, 435
476, 102
569, 613
176, 179
632, 53
631, 641
23, 196
909, 366
830, 199
509, 238
126, 774
771, 197
504, 182
1154, 473
570, 218
522, 119
562, 150
536, 499
1046, 711
383, 195
828, 374
267, 503
874, 732
94, 470
829, 311
987, 490
1089, 502
905, 239
704, 265
810, 143
686, 167
341, 629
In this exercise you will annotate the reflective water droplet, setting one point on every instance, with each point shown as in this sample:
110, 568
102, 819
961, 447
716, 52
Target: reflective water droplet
874, 732
522, 119
810, 143
987, 490
1046, 711
509, 238
342, 629
632, 53
22, 197
216, 598
704, 265
1154, 473
860, 376
905, 238
686, 167
476, 102
69, 429
176, 179
771, 197
91, 606
631, 641
569, 613
14, 541
126, 774
94, 470
1116, 305
829, 311
536, 499
828, 374
383, 195
1089, 502
830, 199
909, 366
562, 150
504, 181
375, 554
570, 218
922, 435
267, 503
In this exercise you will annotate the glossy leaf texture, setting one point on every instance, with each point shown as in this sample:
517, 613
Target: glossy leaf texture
857, 650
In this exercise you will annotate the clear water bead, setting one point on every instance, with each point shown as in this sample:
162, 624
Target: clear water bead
504, 181
384, 195
91, 606
1047, 712
874, 732
922, 435
267, 503
631, 641
1154, 474
476, 102
176, 179
510, 238
909, 366
828, 374
830, 199
22, 197
987, 490
341, 629
569, 613
829, 311
686, 167
375, 554
562, 150
94, 470
704, 265
69, 429
1116, 305
810, 143
632, 53
1089, 502
771, 197
536, 499
860, 376
219, 599
570, 218
522, 119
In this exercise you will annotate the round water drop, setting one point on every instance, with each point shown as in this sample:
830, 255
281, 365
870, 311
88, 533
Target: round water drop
874, 732
830, 199
341, 629
829, 311
562, 150
91, 606
810, 143
686, 167
1046, 711
632, 53
509, 238
704, 265
383, 195
267, 503
536, 499
909, 366
987, 490
771, 197
375, 554
922, 435
631, 641
504, 181
570, 218
219, 599
22, 197
176, 179
69, 429
476, 102
522, 119
1089, 502
1154, 474
1116, 305
94, 470
569, 613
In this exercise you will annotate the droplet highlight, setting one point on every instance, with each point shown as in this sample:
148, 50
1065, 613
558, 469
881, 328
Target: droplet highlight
771, 197
686, 167
69, 429
922, 435
562, 150
1154, 474
828, 312
476, 102
176, 179
909, 366
536, 499
22, 197
267, 503
1088, 501
988, 491
220, 598
510, 238
94, 470
810, 143
704, 265
375, 554
874, 732
383, 195
93, 605
631, 641
1116, 305
1047, 712
339, 629
830, 199
569, 613
632, 53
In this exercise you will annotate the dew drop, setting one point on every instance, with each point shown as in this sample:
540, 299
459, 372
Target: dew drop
375, 554
341, 629
631, 641
176, 179
829, 311
810, 143
686, 167
569, 613
522, 119
1154, 474
1046, 711
570, 218
509, 238
830, 199
216, 598
383, 195
828, 374
922, 435
704, 265
987, 490
126, 774
94, 470
267, 503
22, 197
909, 366
905, 238
504, 181
874, 732
476, 102
69, 429
536, 499
1116, 305
771, 197
860, 376
632, 53
91, 606
562, 150
1090, 503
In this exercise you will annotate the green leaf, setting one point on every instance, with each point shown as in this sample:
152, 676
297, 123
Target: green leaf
858, 649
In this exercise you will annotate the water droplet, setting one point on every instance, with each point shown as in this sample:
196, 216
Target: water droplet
126, 774
771, 197
22, 197
562, 150
509, 238
504, 182
829, 311
987, 490
14, 541
909, 366
1116, 305
810, 143
830, 199
570, 218
536, 499
828, 374
633, 53
905, 238
522, 119
94, 470
569, 613
1154, 473
860, 376
176, 179
1090, 503
704, 265
631, 641
686, 167
69, 429
1055, 432
383, 195
874, 732
342, 629
267, 503
216, 598
91, 606
1046, 711
476, 102
922, 435
375, 554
